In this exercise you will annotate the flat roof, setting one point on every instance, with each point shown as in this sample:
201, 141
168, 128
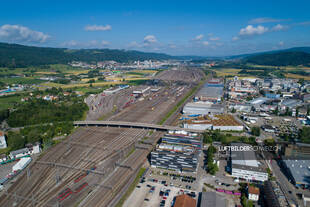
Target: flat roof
212, 199
216, 120
300, 170
210, 91
245, 158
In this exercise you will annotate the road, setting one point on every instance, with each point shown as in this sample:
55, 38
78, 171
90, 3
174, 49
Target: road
285, 185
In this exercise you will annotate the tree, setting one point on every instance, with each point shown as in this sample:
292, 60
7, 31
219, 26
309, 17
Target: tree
276, 111
233, 110
207, 138
4, 114
15, 140
255, 131
304, 134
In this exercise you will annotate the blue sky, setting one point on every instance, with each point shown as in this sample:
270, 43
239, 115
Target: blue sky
207, 28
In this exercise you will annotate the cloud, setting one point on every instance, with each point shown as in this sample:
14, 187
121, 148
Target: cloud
172, 46
198, 37
265, 20
306, 23
235, 38
98, 27
18, 33
214, 38
279, 27
105, 43
205, 43
133, 44
250, 30
281, 43
71, 43
149, 39
90, 44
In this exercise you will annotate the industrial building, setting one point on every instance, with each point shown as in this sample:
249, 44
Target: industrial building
222, 122
25, 151
297, 171
176, 161
202, 108
211, 199
244, 164
177, 152
141, 90
183, 141
115, 90
211, 91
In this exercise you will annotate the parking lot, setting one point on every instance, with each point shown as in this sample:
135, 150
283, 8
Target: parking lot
151, 194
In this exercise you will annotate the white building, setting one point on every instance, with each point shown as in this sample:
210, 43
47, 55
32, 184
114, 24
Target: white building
203, 108
25, 151
244, 164
253, 193
2, 141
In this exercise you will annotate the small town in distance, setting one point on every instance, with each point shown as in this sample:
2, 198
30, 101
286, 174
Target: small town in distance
155, 104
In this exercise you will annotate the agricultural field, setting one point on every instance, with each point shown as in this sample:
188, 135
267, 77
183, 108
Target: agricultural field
226, 72
296, 76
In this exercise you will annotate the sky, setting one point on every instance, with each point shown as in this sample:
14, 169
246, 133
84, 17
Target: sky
204, 28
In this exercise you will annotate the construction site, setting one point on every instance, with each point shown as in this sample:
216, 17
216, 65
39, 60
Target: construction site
94, 166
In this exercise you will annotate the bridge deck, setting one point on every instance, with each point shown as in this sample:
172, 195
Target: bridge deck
133, 125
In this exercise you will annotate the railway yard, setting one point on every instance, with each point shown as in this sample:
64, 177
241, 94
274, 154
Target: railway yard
94, 165
180, 75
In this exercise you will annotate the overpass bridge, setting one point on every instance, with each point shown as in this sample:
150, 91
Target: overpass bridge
134, 125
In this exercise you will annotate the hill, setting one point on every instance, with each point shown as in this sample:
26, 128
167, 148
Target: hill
242, 56
15, 55
293, 58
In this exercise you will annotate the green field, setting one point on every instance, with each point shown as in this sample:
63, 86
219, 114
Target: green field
9, 101
21, 80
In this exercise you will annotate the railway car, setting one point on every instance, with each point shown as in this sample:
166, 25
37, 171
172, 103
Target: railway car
64, 194
80, 178
81, 187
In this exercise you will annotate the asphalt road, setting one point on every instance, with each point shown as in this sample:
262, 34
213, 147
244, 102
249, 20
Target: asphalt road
285, 185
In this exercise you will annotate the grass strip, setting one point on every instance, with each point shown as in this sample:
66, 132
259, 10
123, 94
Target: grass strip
131, 188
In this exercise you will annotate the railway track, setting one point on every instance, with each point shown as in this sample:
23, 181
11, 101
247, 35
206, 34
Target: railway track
88, 147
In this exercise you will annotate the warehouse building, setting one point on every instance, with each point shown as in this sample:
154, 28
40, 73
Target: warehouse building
183, 141
141, 90
298, 171
211, 199
211, 91
222, 122
202, 108
244, 164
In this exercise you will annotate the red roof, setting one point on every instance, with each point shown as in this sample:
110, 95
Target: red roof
184, 201
253, 190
